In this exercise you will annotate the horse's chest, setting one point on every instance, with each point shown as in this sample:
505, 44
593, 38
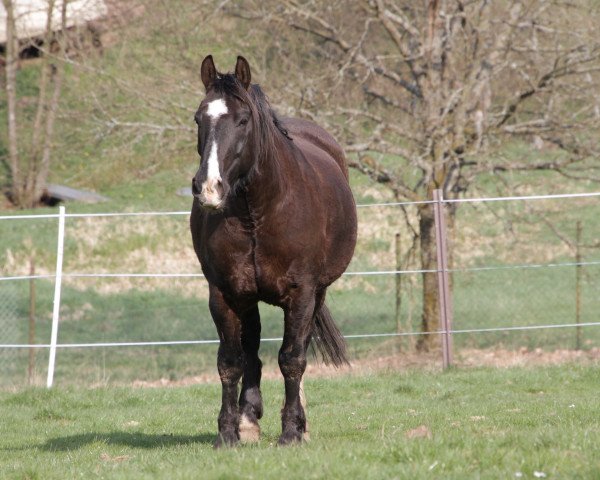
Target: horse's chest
263, 260
228, 262
247, 265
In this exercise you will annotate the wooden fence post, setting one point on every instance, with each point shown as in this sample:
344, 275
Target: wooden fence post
444, 297
399, 329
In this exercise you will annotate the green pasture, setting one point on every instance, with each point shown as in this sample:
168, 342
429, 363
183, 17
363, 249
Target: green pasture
463, 423
142, 309
484, 299
500, 235
142, 171
478, 423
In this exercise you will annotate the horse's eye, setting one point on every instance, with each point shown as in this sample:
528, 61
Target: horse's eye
242, 122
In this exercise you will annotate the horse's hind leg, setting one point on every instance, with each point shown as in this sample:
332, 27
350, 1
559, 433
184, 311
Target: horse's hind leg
319, 300
230, 366
292, 362
251, 407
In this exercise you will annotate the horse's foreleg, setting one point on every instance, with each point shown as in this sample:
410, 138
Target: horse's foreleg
251, 407
292, 362
230, 365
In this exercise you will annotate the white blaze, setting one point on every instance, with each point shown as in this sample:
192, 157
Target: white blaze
216, 109
213, 164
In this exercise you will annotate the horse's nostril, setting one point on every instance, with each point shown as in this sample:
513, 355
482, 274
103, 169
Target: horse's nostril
219, 188
195, 189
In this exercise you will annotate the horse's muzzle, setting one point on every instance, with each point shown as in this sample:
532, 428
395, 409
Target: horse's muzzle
210, 194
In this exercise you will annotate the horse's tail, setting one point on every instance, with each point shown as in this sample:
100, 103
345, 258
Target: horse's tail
328, 338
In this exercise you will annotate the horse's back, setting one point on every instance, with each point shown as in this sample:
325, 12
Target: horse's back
305, 130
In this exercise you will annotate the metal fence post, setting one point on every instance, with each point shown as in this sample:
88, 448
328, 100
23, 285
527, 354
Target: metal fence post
57, 289
443, 281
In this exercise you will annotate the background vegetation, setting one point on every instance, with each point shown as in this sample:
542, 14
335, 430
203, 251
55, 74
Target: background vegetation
125, 129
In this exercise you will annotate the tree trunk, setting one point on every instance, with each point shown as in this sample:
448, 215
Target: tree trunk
41, 111
55, 73
431, 309
12, 57
29, 167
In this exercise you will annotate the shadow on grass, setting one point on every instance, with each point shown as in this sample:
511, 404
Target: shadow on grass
128, 439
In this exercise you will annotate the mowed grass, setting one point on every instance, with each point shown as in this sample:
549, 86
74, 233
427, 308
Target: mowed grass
482, 423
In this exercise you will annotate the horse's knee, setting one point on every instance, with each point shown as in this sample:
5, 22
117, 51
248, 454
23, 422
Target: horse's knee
230, 365
292, 363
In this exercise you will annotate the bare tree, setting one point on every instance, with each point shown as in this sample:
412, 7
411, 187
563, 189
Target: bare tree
142, 97
424, 94
29, 159
427, 94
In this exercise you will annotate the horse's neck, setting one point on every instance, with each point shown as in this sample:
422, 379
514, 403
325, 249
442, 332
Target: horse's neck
271, 182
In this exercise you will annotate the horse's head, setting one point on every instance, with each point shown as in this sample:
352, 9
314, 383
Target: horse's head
224, 120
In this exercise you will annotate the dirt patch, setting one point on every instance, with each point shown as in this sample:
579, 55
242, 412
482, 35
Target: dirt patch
525, 358
499, 358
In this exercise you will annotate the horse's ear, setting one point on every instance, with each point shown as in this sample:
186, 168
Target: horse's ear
242, 72
208, 72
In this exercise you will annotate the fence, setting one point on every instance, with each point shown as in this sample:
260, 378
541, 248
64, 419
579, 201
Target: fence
443, 271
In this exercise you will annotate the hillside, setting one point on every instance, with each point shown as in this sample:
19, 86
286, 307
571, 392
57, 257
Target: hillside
126, 131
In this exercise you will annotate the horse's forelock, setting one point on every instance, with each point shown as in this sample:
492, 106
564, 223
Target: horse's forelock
267, 125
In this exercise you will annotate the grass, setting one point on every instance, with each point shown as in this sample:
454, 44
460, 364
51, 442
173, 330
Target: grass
96, 310
163, 313
481, 423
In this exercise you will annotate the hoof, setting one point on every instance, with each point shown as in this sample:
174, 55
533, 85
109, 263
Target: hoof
226, 440
290, 438
306, 434
249, 430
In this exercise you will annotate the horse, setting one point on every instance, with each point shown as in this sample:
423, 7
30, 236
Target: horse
273, 219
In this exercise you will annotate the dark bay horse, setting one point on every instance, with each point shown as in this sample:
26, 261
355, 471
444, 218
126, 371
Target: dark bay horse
273, 220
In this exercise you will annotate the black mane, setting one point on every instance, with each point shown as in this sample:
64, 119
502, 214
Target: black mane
228, 84
262, 103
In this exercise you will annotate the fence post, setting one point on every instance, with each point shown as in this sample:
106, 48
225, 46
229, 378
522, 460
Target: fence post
443, 281
57, 289
398, 290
